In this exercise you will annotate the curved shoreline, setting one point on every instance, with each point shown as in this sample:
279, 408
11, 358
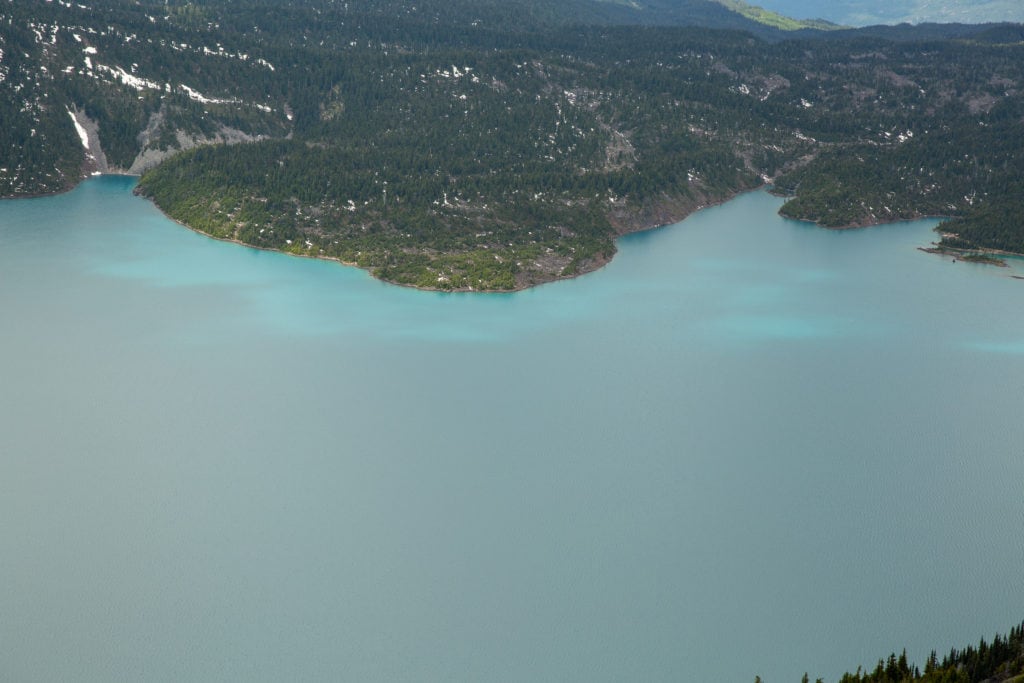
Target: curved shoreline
589, 267
863, 224
669, 212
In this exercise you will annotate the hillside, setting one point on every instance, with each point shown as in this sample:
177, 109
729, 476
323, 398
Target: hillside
867, 12
776, 20
497, 145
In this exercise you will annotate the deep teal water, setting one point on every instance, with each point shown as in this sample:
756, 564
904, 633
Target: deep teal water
747, 446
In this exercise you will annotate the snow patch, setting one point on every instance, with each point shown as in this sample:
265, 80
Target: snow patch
81, 131
199, 97
128, 79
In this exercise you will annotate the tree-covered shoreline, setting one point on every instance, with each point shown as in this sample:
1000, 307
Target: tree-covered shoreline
445, 146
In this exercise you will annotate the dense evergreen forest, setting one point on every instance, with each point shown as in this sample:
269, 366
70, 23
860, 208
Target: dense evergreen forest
494, 145
999, 661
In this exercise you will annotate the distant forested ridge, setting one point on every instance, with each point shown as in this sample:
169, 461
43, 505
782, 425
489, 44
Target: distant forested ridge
998, 661
494, 145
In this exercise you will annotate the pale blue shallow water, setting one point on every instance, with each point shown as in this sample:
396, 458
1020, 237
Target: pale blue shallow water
747, 446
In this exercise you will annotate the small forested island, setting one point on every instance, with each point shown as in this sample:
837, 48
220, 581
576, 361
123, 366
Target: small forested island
1000, 661
488, 145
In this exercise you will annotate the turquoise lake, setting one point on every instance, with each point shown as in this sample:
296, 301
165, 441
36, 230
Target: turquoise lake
747, 446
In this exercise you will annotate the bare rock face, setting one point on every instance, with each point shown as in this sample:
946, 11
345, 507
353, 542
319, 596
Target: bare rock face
151, 154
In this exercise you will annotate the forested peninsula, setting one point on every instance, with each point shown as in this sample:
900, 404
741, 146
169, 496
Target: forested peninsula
496, 145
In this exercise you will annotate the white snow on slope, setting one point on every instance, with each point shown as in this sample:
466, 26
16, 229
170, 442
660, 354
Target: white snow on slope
81, 131
199, 97
128, 79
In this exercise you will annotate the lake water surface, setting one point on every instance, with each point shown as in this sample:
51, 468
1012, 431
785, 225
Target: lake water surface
747, 446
